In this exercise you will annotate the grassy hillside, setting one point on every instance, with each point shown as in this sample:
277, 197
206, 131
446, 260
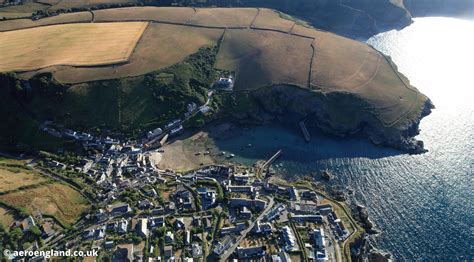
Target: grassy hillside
26, 190
126, 106
176, 60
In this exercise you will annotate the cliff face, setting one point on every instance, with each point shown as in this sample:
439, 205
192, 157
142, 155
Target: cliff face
337, 113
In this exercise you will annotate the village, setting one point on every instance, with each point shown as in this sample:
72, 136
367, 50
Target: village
216, 212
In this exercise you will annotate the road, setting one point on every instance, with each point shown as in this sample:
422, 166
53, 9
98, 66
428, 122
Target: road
244, 233
166, 130
334, 251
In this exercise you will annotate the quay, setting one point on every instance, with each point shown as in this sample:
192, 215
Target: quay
303, 128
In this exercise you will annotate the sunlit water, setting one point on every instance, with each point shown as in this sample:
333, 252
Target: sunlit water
423, 204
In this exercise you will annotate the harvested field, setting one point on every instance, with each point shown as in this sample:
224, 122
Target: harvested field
70, 44
79, 17
148, 13
270, 19
156, 49
263, 58
305, 31
56, 199
223, 17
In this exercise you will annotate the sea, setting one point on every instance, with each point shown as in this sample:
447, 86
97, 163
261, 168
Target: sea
422, 204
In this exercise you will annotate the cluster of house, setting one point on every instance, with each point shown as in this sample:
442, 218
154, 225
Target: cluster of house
226, 83
47, 226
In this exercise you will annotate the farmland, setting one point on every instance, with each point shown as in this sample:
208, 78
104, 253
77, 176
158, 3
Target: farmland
55, 199
156, 50
79, 17
147, 13
264, 58
269, 19
262, 47
224, 17
72, 44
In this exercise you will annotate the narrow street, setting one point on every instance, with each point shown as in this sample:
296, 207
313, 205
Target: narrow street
244, 233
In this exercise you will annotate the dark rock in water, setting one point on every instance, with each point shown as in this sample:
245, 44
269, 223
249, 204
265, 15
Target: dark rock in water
379, 256
326, 175
363, 216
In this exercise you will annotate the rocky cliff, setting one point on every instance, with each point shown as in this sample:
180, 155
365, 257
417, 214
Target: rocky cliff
337, 113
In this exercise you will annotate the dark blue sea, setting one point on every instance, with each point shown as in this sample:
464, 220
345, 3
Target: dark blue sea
423, 204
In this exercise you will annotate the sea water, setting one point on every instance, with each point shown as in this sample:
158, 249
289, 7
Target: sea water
423, 204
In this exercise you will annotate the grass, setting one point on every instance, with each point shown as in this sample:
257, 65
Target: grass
157, 49
23, 10
270, 19
6, 217
16, 24
223, 17
344, 65
352, 81
264, 58
147, 13
55, 199
71, 44
132, 105
14, 176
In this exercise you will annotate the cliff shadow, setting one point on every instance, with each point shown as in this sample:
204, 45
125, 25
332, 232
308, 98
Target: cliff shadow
250, 143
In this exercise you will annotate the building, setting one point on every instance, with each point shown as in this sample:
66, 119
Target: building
142, 227
169, 255
123, 253
245, 213
281, 257
223, 245
225, 82
120, 209
258, 204
307, 218
156, 222
187, 238
250, 252
318, 237
154, 133
196, 250
262, 228
289, 238
122, 226
240, 189
233, 229
293, 194
169, 237
27, 223
179, 223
